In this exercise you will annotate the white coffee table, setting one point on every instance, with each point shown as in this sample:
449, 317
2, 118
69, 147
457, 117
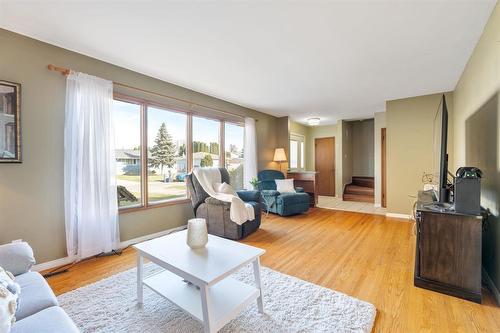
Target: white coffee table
219, 298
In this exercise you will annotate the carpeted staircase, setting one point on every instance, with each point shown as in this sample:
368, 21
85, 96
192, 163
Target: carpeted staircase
361, 189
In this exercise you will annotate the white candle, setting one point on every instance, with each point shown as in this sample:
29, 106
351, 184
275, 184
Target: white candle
197, 235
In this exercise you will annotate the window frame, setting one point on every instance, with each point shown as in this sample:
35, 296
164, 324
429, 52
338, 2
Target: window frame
146, 203
301, 147
144, 104
221, 134
130, 100
223, 153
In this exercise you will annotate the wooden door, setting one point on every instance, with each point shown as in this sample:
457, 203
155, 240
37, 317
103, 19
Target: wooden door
384, 167
325, 165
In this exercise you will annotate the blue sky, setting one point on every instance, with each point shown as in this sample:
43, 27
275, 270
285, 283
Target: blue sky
127, 127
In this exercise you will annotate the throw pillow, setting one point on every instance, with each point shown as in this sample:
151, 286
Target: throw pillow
9, 295
224, 188
284, 185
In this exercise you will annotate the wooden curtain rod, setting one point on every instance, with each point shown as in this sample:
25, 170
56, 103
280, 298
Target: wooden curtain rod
67, 71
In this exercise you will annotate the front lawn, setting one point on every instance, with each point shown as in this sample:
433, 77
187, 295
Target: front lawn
137, 178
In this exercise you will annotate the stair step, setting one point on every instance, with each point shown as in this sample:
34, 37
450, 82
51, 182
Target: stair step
361, 190
363, 181
358, 198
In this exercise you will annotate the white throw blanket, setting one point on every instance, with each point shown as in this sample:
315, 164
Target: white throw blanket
240, 211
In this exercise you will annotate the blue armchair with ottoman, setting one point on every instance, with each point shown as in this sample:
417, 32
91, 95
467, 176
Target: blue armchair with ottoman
284, 204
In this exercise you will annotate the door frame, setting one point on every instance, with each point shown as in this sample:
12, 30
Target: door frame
383, 152
334, 160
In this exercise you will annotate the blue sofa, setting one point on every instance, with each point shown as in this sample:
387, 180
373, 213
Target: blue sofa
284, 204
38, 309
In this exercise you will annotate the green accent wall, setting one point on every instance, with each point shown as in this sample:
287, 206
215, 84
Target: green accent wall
477, 141
410, 143
31, 193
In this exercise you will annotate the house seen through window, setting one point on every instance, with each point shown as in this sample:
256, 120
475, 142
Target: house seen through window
206, 143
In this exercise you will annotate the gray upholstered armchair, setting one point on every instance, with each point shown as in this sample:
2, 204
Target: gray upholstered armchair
216, 212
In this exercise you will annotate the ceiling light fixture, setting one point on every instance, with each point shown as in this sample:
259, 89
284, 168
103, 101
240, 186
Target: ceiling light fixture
313, 121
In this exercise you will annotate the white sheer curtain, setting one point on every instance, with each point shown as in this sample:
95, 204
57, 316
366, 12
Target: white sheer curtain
90, 199
250, 151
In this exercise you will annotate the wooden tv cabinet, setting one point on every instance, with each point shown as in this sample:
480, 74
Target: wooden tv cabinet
448, 251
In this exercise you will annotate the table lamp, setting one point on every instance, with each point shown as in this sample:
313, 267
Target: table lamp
279, 156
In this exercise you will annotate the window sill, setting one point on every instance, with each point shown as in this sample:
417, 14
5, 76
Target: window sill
152, 206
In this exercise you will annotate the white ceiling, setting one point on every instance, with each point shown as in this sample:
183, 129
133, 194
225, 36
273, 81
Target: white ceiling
328, 59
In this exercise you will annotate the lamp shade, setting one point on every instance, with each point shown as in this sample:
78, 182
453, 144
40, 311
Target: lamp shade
279, 155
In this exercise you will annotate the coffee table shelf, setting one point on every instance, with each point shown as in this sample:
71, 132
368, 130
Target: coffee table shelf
213, 297
229, 296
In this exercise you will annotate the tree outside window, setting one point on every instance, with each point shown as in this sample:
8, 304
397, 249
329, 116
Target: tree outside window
164, 151
167, 163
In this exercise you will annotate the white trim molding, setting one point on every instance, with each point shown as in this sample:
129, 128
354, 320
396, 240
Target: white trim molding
491, 285
133, 241
53, 263
68, 260
377, 205
398, 216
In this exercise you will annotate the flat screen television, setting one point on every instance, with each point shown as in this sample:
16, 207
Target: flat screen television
440, 163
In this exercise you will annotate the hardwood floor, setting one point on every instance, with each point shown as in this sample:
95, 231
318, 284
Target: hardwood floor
370, 257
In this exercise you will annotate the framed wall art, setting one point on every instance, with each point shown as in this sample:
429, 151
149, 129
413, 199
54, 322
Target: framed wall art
10, 122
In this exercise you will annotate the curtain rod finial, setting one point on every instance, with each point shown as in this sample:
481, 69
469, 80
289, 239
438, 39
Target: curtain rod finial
63, 71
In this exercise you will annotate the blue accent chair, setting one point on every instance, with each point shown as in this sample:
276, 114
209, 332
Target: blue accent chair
284, 204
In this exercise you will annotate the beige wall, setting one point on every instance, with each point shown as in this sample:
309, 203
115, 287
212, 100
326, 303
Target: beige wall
31, 193
410, 147
362, 147
477, 141
379, 123
300, 129
282, 141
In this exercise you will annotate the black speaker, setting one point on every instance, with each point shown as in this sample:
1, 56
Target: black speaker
467, 193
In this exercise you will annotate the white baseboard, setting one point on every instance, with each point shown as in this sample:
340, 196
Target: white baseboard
53, 263
133, 241
491, 285
398, 216
68, 260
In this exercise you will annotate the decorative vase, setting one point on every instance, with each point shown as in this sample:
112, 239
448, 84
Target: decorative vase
197, 235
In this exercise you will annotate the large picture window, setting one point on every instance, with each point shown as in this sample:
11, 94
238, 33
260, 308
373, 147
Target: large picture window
234, 137
127, 117
206, 142
152, 155
167, 163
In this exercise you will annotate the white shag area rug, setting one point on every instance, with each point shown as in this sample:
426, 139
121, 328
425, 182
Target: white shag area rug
290, 305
